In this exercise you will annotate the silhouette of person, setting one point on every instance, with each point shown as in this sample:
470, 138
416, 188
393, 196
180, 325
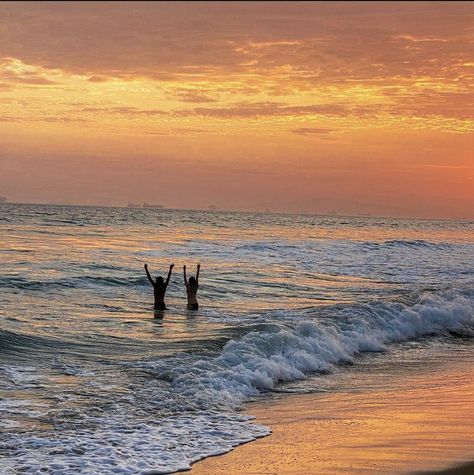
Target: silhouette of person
192, 288
159, 288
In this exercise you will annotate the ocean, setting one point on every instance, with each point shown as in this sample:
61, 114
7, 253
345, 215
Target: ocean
91, 383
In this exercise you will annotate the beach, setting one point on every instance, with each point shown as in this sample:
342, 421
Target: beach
236, 238
350, 339
418, 425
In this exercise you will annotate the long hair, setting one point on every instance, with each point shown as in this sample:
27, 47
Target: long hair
160, 282
192, 282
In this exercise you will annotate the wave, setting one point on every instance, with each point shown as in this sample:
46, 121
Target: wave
42, 349
10, 340
260, 360
267, 246
183, 408
313, 252
17, 344
410, 244
86, 281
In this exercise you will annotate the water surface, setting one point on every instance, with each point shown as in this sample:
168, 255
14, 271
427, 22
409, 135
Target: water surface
91, 382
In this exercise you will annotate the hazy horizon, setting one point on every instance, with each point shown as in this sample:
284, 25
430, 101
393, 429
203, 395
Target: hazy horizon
299, 107
210, 209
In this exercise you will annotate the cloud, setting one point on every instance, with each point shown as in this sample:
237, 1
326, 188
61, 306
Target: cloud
429, 102
177, 131
60, 119
98, 79
217, 89
34, 81
167, 41
49, 119
194, 97
123, 110
13, 71
309, 131
267, 109
418, 39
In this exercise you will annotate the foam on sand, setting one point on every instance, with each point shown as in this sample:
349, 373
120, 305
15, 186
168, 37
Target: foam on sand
152, 430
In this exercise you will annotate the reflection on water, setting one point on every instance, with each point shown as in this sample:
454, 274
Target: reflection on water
389, 425
81, 351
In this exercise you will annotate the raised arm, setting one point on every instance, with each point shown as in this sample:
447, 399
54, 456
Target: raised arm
169, 275
148, 275
197, 272
184, 274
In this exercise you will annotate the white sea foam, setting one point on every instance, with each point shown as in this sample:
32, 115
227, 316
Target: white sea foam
20, 377
158, 431
259, 360
131, 447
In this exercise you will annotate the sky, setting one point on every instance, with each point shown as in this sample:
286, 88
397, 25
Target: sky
310, 107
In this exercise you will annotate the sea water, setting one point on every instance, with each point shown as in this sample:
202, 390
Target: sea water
92, 383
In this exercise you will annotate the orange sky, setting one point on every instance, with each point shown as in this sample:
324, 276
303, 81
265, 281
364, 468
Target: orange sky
347, 107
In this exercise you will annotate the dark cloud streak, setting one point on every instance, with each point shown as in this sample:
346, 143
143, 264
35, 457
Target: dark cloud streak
123, 110
312, 131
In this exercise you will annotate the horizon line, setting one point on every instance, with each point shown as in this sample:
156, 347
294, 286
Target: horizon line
241, 211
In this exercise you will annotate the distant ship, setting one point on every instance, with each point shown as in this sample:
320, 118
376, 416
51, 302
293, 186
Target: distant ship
144, 205
148, 205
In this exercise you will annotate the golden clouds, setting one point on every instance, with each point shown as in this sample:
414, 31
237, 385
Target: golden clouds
239, 80
423, 102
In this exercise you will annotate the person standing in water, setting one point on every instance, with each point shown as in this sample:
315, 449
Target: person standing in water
159, 288
192, 288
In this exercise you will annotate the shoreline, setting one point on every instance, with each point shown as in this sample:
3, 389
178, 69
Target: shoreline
424, 427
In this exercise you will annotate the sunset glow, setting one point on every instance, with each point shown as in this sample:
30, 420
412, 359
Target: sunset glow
293, 106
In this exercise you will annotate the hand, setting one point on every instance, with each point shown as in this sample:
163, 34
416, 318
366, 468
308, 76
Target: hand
184, 267
171, 266
199, 266
146, 266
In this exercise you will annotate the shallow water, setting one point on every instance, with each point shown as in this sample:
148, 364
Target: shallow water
91, 383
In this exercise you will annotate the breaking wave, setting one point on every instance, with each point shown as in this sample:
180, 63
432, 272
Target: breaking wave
184, 407
260, 360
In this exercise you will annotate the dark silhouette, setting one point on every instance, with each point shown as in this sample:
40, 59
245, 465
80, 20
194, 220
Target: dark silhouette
192, 288
159, 288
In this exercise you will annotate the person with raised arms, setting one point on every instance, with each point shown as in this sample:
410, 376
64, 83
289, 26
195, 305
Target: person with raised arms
159, 288
192, 288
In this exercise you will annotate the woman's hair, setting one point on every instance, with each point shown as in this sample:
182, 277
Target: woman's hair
192, 282
160, 282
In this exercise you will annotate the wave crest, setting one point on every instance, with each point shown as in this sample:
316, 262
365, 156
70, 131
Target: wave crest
260, 360
408, 244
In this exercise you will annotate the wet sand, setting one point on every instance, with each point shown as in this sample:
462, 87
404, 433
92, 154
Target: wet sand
422, 425
465, 469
